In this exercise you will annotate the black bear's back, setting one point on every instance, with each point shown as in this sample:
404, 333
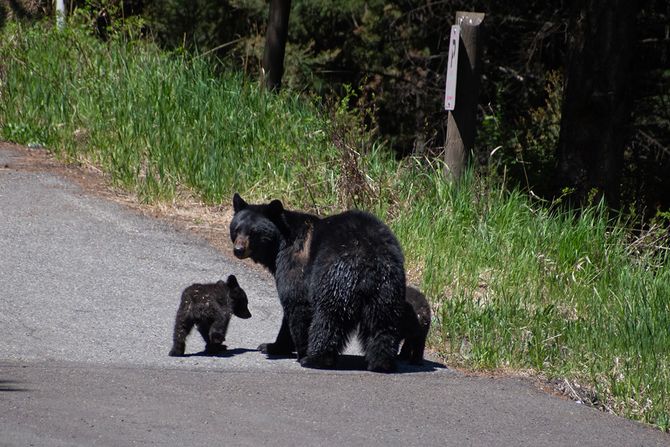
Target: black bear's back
207, 294
355, 233
353, 257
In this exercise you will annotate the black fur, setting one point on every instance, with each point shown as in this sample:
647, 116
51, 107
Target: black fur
333, 275
208, 307
414, 326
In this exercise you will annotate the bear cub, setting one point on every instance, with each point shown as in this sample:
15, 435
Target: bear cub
209, 308
414, 326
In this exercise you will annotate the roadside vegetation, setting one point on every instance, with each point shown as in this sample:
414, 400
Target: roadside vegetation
516, 284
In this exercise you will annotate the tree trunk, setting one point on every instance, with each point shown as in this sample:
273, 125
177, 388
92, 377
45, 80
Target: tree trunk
275, 43
596, 111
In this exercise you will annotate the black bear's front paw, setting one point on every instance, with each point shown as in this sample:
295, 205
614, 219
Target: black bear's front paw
174, 352
274, 349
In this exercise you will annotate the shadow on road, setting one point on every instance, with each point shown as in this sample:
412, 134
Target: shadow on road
10, 386
349, 362
222, 354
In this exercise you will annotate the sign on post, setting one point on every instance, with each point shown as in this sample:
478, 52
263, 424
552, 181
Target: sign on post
452, 68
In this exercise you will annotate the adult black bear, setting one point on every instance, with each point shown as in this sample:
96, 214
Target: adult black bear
334, 275
208, 307
414, 326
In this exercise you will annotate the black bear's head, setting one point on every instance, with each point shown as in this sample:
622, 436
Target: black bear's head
253, 232
238, 298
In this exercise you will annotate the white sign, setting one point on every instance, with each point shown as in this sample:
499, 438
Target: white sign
452, 68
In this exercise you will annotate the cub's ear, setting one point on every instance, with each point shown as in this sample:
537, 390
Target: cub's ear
238, 203
232, 282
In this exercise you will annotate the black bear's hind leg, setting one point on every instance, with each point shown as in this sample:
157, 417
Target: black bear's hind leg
380, 352
327, 338
380, 342
217, 332
182, 327
203, 328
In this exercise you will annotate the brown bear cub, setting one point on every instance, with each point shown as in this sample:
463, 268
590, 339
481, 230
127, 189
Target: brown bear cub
209, 308
414, 326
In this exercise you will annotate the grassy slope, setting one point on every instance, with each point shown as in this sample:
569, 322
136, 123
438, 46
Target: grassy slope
514, 285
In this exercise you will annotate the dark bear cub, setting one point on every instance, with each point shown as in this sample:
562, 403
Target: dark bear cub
334, 275
414, 326
208, 307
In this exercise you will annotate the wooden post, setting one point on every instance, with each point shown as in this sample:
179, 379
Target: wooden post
461, 121
275, 43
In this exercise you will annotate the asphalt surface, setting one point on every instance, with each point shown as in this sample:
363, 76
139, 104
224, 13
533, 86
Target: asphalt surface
88, 294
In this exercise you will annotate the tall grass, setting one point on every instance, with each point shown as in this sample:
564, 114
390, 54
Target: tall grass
514, 284
155, 121
527, 287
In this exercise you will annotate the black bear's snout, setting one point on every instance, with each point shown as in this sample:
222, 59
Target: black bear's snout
241, 247
239, 252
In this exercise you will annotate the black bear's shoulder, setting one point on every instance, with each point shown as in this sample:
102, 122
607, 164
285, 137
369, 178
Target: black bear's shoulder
351, 220
355, 237
354, 230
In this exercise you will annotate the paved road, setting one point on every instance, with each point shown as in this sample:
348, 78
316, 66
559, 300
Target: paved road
88, 293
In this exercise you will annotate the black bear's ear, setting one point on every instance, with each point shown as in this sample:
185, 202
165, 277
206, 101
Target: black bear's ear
276, 208
275, 213
238, 203
232, 282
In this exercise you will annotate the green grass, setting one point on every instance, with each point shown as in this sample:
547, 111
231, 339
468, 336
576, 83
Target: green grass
155, 121
514, 284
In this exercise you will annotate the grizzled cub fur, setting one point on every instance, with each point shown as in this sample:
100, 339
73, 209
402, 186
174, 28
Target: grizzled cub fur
208, 307
414, 326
